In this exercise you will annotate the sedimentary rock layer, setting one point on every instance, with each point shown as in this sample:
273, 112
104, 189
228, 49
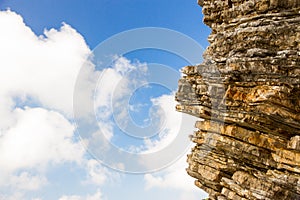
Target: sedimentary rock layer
247, 90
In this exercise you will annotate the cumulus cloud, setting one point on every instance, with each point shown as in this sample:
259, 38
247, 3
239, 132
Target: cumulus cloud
37, 79
36, 138
39, 69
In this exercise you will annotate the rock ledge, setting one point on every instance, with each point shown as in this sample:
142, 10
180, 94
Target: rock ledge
247, 91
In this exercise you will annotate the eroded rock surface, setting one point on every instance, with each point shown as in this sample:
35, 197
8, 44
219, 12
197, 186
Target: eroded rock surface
248, 93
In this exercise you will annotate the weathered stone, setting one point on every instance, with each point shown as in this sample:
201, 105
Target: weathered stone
247, 91
294, 143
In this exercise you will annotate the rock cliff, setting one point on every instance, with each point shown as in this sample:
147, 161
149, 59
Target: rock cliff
247, 91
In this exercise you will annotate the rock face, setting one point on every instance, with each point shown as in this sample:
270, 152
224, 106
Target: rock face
247, 90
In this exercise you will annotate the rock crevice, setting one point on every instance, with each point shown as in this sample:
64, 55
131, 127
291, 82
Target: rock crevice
247, 91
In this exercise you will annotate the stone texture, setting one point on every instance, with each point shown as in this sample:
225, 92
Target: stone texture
247, 91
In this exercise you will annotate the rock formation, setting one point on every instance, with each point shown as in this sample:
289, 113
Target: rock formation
247, 90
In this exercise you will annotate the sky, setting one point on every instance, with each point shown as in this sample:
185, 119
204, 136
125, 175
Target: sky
87, 93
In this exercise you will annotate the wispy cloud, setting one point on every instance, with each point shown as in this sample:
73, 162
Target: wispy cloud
96, 196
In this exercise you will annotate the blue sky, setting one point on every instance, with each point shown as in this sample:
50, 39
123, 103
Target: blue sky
52, 149
97, 20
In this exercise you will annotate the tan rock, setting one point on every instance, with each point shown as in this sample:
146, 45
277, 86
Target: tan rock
247, 90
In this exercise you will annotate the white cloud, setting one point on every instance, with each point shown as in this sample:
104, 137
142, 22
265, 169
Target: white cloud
37, 138
15, 196
96, 196
115, 87
175, 177
97, 174
37, 79
26, 181
165, 110
42, 68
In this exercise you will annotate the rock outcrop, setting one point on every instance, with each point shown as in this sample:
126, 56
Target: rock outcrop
247, 91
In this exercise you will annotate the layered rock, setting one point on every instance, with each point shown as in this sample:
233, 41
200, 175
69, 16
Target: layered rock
247, 90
